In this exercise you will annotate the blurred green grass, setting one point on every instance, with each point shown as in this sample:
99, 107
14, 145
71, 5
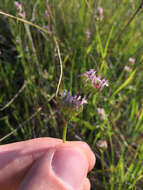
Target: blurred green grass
30, 71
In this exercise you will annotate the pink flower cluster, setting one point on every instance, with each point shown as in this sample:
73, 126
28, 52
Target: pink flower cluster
73, 101
95, 81
20, 9
99, 14
131, 62
100, 11
127, 68
88, 34
101, 112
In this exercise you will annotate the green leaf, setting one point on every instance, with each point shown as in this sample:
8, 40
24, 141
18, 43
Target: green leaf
129, 79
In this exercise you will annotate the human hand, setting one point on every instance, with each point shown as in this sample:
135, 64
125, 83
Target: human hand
45, 164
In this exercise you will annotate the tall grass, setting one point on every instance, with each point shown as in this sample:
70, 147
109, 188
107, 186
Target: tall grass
30, 73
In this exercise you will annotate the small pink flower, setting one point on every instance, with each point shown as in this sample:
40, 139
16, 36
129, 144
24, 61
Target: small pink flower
101, 112
94, 81
83, 101
20, 9
104, 82
100, 11
18, 6
131, 60
88, 34
102, 144
46, 14
99, 14
22, 14
127, 68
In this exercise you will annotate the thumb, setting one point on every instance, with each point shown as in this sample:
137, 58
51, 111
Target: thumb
64, 168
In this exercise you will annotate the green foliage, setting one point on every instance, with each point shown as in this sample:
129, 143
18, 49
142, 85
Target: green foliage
30, 70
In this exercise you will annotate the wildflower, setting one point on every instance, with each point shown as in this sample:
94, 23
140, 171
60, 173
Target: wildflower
46, 14
83, 101
20, 9
101, 112
99, 14
92, 81
131, 60
102, 144
71, 105
22, 14
18, 6
100, 11
88, 34
104, 82
73, 101
127, 68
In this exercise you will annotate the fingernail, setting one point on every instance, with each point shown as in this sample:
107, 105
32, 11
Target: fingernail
70, 165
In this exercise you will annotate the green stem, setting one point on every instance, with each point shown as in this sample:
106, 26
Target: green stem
65, 131
126, 26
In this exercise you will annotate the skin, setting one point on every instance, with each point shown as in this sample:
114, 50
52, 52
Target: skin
45, 163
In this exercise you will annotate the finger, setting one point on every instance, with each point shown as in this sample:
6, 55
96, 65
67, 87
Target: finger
17, 158
36, 146
32, 144
86, 185
87, 150
63, 168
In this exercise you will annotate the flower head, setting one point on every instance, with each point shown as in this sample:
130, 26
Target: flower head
88, 34
131, 60
46, 14
73, 101
100, 11
102, 144
83, 101
101, 112
92, 81
127, 68
71, 105
20, 9
99, 14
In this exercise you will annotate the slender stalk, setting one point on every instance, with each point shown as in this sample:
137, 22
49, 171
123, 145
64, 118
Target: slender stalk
61, 66
126, 26
24, 21
65, 131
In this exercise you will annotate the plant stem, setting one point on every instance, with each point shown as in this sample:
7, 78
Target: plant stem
126, 26
65, 131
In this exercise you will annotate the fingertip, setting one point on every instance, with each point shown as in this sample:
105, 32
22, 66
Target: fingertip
87, 184
87, 151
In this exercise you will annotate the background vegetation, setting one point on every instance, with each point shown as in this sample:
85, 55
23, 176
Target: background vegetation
30, 71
